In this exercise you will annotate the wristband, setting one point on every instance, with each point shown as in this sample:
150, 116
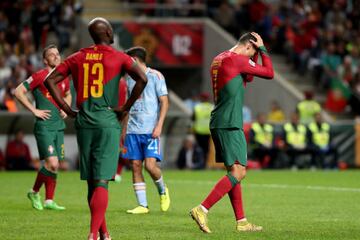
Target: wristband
263, 49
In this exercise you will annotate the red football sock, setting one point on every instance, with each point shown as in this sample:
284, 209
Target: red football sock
50, 185
40, 179
222, 187
119, 168
103, 228
236, 201
98, 205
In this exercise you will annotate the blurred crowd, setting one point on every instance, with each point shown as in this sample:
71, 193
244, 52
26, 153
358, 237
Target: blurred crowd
17, 155
302, 140
26, 26
320, 39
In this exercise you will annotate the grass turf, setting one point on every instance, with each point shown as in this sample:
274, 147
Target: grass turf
289, 205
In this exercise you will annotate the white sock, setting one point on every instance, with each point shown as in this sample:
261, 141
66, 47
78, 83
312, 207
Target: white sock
140, 191
204, 209
48, 201
160, 185
242, 220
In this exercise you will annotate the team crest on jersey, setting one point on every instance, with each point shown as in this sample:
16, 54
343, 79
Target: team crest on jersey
51, 149
252, 63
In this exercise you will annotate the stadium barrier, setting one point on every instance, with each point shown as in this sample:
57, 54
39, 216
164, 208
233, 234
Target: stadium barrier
177, 124
357, 145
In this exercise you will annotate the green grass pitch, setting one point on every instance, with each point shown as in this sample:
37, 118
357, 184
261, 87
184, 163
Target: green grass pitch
289, 205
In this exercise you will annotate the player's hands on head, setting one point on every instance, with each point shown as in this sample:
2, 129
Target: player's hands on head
43, 114
259, 42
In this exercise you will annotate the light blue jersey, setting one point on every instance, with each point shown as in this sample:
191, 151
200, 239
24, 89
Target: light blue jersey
144, 114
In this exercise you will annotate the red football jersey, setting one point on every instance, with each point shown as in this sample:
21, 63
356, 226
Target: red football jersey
96, 72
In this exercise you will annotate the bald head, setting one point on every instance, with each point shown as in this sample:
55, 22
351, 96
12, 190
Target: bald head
101, 31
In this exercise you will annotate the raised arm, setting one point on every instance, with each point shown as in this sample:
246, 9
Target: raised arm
250, 77
266, 69
50, 83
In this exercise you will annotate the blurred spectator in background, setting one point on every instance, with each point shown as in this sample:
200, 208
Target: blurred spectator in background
322, 37
224, 15
2, 161
335, 101
330, 61
295, 137
190, 155
262, 141
17, 155
40, 22
5, 71
320, 141
191, 102
308, 107
201, 118
24, 27
7, 100
347, 70
276, 114
355, 96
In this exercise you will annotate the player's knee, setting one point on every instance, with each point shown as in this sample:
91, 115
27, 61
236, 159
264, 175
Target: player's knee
150, 166
136, 165
52, 165
239, 174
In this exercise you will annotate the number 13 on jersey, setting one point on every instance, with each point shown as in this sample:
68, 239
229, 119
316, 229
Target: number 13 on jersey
97, 86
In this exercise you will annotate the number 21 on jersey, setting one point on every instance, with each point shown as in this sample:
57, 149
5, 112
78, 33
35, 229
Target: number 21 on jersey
97, 87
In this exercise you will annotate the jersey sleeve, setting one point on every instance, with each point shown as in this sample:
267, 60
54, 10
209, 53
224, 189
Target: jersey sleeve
33, 81
248, 66
160, 86
65, 67
128, 62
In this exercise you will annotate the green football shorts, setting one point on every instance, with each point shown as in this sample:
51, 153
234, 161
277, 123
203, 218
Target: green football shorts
99, 152
50, 143
230, 146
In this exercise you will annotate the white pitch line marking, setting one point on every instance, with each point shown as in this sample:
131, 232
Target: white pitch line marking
280, 186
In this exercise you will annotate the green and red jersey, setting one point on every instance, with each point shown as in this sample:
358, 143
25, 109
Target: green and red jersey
96, 72
229, 74
44, 100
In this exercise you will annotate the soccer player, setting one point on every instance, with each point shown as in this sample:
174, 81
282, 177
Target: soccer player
230, 71
96, 71
143, 129
49, 127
